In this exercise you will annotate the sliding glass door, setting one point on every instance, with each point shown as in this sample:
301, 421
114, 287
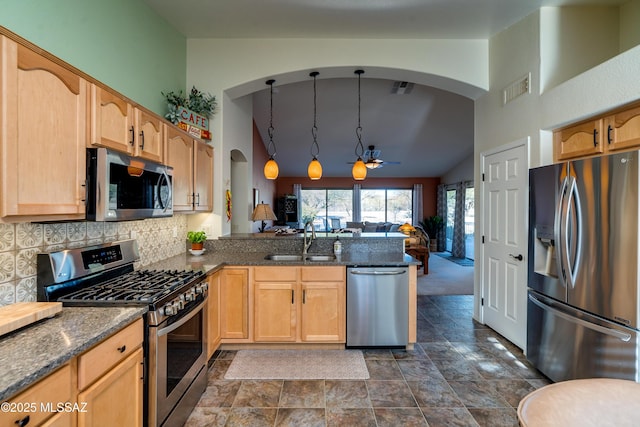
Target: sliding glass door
468, 220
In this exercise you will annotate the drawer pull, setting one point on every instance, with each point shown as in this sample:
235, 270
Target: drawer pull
122, 349
23, 422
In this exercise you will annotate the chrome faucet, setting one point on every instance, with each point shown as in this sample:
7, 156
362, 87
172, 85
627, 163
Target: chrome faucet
306, 244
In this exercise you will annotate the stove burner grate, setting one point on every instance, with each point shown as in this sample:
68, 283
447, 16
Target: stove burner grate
138, 286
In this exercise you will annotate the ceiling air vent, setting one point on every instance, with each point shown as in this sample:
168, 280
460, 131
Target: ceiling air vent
516, 89
402, 88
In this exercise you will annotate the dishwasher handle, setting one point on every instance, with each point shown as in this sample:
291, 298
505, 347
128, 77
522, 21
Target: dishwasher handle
378, 272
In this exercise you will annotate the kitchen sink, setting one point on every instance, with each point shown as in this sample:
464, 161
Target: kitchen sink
292, 257
320, 258
283, 257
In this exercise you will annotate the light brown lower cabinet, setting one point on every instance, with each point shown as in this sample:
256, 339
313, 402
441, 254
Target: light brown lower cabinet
299, 304
115, 399
234, 303
101, 387
37, 404
213, 311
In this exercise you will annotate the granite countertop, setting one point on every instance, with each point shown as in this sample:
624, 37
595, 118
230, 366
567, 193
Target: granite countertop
211, 261
31, 353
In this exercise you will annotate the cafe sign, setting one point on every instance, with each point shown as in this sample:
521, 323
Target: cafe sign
193, 123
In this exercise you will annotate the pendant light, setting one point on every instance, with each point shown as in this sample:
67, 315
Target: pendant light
271, 167
359, 170
315, 168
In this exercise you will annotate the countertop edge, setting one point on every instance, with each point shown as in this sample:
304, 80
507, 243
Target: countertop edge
33, 369
209, 263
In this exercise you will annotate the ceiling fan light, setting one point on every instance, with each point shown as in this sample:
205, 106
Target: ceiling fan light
372, 164
359, 170
314, 170
271, 169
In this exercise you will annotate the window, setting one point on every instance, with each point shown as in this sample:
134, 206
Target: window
328, 208
332, 208
387, 205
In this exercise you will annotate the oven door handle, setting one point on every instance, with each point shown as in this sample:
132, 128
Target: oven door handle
172, 327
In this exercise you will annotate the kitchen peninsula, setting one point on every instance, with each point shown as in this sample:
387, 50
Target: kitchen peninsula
254, 302
251, 291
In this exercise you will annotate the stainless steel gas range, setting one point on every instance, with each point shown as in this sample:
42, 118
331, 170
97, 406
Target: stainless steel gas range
176, 323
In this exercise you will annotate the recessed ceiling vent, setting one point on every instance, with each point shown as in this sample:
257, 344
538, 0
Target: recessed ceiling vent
516, 89
402, 88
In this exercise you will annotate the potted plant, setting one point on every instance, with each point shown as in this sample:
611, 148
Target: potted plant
432, 226
197, 239
196, 101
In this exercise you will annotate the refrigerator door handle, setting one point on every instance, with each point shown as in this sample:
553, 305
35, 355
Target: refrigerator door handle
576, 232
559, 233
569, 199
622, 336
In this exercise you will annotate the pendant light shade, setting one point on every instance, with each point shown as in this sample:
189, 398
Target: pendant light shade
271, 169
359, 170
315, 168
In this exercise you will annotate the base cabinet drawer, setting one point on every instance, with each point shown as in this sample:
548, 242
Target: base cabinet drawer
37, 404
101, 358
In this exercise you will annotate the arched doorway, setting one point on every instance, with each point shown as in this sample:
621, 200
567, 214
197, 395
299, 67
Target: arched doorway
239, 186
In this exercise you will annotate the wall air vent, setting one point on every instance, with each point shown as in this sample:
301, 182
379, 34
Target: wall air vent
516, 89
402, 88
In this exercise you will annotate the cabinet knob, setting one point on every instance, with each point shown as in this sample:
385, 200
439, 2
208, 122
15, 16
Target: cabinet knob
142, 140
23, 422
133, 136
595, 137
122, 349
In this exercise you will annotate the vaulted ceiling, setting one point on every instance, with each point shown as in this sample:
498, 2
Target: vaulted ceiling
425, 131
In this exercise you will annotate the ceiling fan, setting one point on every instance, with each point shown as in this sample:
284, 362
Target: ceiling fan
373, 159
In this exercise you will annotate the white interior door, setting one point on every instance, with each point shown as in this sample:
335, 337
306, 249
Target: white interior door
504, 265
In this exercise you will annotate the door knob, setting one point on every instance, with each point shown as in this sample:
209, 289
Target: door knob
519, 257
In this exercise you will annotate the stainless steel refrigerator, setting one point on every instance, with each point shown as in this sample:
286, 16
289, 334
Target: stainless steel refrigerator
583, 308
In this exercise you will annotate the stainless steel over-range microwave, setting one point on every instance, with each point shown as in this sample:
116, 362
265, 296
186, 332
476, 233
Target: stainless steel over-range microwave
121, 187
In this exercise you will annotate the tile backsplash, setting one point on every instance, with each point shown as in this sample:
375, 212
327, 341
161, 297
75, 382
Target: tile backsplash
21, 242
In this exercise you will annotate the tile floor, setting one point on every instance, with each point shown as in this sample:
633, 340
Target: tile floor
461, 373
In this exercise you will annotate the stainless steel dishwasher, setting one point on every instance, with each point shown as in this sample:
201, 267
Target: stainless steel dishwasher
377, 306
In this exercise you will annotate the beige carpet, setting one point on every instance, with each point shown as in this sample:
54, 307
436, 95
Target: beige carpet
445, 278
298, 365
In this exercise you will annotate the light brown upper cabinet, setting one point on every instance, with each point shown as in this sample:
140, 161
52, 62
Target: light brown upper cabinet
617, 130
192, 163
580, 140
118, 125
623, 129
43, 117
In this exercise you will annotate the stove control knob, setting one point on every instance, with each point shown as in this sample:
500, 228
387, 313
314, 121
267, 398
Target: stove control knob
189, 295
168, 310
198, 289
204, 286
